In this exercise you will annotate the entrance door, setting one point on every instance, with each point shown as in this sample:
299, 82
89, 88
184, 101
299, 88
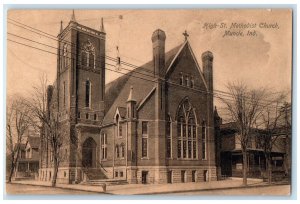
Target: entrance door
144, 177
169, 177
89, 153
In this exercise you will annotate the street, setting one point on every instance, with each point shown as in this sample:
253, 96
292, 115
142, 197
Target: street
278, 190
20, 189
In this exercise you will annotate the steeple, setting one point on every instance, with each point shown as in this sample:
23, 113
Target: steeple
102, 26
73, 16
61, 26
130, 97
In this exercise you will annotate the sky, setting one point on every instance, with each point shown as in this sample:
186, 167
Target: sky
263, 60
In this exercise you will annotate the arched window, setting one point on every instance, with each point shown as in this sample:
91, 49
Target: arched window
91, 60
119, 126
169, 137
65, 53
204, 140
186, 131
87, 93
117, 151
181, 79
122, 150
88, 55
104, 146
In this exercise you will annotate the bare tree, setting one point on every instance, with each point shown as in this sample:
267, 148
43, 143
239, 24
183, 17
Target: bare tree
244, 106
45, 109
18, 121
270, 127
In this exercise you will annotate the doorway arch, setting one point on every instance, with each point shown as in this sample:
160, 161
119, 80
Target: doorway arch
89, 153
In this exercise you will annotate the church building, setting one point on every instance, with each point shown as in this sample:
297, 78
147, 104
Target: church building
154, 124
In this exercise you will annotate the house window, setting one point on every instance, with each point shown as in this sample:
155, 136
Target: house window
116, 174
87, 93
169, 138
78, 114
203, 140
95, 116
86, 116
121, 173
104, 146
186, 131
144, 139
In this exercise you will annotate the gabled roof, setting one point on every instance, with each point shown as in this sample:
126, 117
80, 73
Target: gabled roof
34, 142
186, 43
141, 78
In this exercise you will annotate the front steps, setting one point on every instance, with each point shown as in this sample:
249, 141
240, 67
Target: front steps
108, 182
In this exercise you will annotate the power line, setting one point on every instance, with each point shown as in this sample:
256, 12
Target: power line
115, 60
130, 73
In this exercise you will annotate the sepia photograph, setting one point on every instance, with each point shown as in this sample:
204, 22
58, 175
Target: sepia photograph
176, 102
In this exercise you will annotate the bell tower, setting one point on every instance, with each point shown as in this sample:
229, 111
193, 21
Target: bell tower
81, 72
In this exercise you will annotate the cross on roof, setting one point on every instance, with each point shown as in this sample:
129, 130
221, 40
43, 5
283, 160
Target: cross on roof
186, 35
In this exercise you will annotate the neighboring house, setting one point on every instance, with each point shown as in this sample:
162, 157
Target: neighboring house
152, 125
28, 162
228, 148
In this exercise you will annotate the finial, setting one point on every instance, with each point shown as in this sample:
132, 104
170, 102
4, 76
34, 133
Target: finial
61, 26
73, 16
102, 26
130, 97
186, 35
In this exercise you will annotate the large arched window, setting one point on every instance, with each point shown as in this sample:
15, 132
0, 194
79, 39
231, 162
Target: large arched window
88, 55
186, 131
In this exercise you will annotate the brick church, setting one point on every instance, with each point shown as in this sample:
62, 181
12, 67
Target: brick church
154, 124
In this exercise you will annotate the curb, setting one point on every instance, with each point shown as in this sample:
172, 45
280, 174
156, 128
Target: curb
210, 189
68, 188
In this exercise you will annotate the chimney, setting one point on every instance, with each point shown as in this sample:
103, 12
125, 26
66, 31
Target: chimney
158, 42
207, 63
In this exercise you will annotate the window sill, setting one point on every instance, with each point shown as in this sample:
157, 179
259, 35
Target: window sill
145, 158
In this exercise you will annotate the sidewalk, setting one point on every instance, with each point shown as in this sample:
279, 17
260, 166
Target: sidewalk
149, 189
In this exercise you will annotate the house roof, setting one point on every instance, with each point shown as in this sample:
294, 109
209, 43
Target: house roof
22, 146
34, 142
141, 78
